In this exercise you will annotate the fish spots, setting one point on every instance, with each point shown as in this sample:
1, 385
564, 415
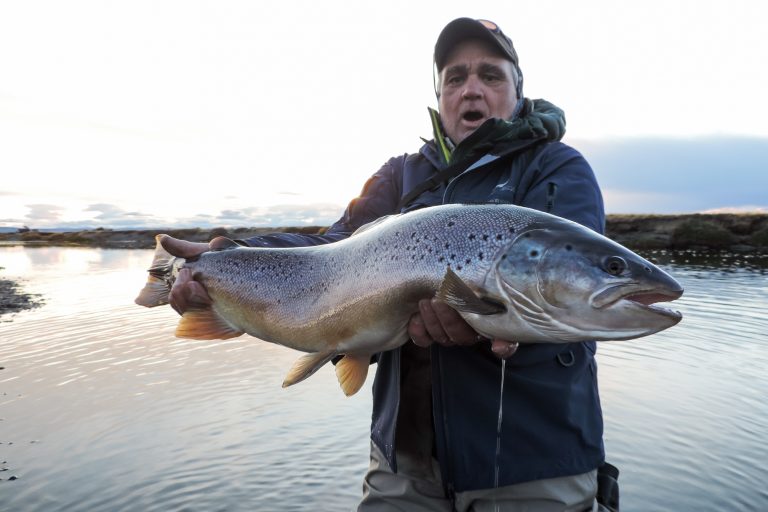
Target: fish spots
451, 224
568, 247
471, 236
499, 237
480, 255
485, 238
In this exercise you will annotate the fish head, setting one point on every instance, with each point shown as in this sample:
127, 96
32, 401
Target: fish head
570, 283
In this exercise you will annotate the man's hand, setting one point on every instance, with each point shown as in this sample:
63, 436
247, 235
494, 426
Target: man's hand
438, 322
186, 293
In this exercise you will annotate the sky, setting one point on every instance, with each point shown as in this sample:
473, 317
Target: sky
169, 113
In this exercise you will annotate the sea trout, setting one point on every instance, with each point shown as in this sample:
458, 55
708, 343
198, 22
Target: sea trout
511, 272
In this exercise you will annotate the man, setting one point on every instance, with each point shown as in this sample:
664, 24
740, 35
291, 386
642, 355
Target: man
436, 409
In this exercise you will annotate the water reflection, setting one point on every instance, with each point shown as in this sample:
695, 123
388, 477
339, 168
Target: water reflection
101, 408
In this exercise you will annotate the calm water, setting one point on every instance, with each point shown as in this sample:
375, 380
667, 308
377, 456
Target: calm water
101, 408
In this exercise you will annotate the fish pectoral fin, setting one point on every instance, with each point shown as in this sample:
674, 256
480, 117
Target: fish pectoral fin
352, 371
457, 294
205, 324
305, 366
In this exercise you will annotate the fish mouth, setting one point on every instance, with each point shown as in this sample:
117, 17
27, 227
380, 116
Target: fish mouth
647, 299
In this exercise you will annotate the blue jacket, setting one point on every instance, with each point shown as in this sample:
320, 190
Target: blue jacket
552, 418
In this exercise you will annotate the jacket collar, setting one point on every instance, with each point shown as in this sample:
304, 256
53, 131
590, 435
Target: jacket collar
538, 120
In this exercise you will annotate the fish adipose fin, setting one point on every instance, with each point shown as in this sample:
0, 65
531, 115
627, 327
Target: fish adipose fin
155, 292
205, 324
352, 371
457, 294
306, 366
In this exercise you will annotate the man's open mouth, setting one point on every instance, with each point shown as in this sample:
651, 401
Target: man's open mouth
472, 116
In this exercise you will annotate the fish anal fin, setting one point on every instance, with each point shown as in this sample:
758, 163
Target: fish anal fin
305, 366
352, 371
205, 324
457, 294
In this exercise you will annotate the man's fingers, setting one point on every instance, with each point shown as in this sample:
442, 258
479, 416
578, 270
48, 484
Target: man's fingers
183, 248
455, 327
503, 349
432, 323
417, 332
187, 293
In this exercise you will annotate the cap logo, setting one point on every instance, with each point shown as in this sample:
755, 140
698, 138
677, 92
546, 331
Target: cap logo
489, 25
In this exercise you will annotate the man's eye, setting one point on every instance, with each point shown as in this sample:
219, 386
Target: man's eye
454, 80
491, 78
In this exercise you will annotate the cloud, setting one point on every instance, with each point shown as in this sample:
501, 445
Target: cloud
44, 213
318, 214
647, 175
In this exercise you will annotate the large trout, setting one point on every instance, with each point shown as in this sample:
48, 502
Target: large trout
513, 273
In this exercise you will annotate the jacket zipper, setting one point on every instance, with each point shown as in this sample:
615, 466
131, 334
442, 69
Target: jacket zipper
551, 191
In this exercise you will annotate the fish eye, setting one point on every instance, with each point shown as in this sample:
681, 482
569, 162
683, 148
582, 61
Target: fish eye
615, 265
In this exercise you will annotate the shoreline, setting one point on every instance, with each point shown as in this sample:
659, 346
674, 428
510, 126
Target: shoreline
703, 233
735, 232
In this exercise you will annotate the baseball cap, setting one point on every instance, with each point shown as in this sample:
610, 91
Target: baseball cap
461, 29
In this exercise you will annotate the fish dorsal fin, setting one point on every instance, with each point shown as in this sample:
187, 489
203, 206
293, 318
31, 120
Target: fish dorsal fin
222, 243
205, 324
305, 366
457, 294
352, 371
374, 223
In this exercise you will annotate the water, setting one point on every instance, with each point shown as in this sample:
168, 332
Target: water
102, 409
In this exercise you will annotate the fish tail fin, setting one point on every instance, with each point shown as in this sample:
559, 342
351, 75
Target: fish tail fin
305, 366
205, 324
352, 371
158, 286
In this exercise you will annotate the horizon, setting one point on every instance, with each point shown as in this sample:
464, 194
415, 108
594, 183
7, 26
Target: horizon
192, 115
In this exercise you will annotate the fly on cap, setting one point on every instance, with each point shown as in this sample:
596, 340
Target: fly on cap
462, 29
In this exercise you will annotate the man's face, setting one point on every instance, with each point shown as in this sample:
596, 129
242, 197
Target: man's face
475, 85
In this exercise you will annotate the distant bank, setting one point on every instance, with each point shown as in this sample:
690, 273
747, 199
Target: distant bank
733, 232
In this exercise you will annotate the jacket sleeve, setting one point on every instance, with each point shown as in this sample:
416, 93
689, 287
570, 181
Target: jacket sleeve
379, 197
566, 187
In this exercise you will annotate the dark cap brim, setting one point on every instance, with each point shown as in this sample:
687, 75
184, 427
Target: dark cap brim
462, 29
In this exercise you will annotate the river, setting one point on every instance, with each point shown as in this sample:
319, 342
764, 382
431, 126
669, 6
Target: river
102, 409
